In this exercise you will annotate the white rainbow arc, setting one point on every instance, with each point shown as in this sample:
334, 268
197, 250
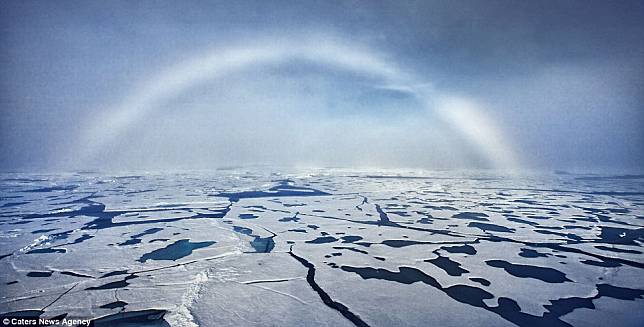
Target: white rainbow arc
462, 115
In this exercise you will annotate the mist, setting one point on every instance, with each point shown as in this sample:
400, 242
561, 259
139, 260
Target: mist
160, 85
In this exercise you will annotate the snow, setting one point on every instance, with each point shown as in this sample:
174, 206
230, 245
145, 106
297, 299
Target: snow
323, 247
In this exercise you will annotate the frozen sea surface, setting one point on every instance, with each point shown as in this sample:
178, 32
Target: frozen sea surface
324, 247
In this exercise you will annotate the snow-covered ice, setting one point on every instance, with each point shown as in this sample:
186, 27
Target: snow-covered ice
324, 247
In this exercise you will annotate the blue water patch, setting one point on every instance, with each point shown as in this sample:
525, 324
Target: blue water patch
548, 275
136, 238
54, 188
47, 250
260, 244
284, 188
263, 244
177, 250
39, 273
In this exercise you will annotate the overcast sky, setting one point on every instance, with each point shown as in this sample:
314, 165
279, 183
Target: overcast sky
539, 84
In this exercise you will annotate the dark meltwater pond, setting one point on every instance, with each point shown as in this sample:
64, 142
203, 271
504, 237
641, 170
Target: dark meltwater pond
177, 250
